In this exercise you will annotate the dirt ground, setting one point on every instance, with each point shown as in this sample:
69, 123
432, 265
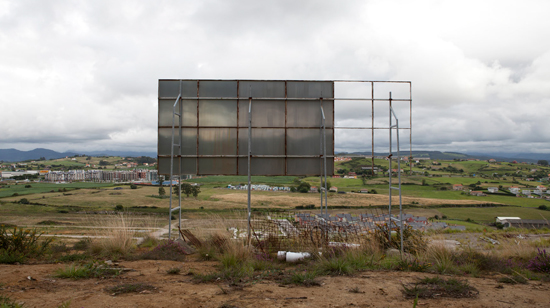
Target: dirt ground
291, 200
35, 286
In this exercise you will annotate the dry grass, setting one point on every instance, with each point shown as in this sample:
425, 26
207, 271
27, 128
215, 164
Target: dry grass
116, 237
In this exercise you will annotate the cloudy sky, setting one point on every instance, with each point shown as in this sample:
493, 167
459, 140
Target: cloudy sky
83, 75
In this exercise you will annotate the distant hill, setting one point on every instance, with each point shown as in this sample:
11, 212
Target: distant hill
9, 155
520, 157
13, 155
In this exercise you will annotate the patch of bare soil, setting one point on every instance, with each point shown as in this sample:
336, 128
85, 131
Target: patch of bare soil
292, 200
35, 286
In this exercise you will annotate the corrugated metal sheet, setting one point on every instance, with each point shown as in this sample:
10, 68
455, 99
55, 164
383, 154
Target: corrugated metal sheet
280, 127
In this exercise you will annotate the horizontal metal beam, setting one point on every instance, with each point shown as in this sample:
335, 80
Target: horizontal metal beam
244, 156
290, 99
281, 127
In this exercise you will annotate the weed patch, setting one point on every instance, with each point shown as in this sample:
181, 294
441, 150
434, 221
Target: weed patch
6, 302
167, 250
304, 278
93, 269
173, 271
540, 263
439, 287
18, 244
129, 288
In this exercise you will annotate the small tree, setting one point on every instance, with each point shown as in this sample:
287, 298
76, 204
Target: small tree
176, 190
304, 187
542, 162
162, 191
196, 191
187, 189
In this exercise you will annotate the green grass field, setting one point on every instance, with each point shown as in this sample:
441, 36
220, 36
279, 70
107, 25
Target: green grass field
236, 180
38, 188
487, 215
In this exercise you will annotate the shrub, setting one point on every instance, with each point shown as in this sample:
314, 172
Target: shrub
540, 263
173, 271
21, 244
117, 238
129, 288
133, 186
335, 266
413, 240
149, 241
305, 278
6, 302
82, 244
93, 269
439, 287
168, 250
413, 265
119, 208
24, 201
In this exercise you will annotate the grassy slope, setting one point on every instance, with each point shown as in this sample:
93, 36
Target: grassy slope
38, 188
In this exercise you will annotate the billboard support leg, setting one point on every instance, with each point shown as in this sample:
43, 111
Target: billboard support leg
249, 157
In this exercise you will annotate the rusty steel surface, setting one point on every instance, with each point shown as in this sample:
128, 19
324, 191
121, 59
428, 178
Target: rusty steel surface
286, 124
215, 118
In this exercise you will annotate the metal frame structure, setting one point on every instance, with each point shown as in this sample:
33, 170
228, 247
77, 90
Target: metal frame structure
322, 136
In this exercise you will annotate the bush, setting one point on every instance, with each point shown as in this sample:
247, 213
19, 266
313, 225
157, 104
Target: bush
82, 244
439, 287
93, 269
541, 262
21, 244
413, 265
129, 288
168, 250
117, 239
119, 208
24, 201
305, 278
6, 302
133, 186
413, 240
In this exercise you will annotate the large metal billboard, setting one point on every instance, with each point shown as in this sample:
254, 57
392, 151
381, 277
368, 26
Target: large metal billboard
287, 128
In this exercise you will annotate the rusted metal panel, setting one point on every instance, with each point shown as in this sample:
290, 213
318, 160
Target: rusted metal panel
263, 166
217, 88
189, 146
171, 88
166, 109
264, 141
309, 89
257, 88
286, 128
264, 113
218, 113
189, 165
217, 141
217, 166
307, 142
308, 113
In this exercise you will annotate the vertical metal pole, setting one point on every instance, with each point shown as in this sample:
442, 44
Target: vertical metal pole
180, 161
249, 158
325, 156
399, 178
172, 164
410, 127
389, 171
372, 126
321, 153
